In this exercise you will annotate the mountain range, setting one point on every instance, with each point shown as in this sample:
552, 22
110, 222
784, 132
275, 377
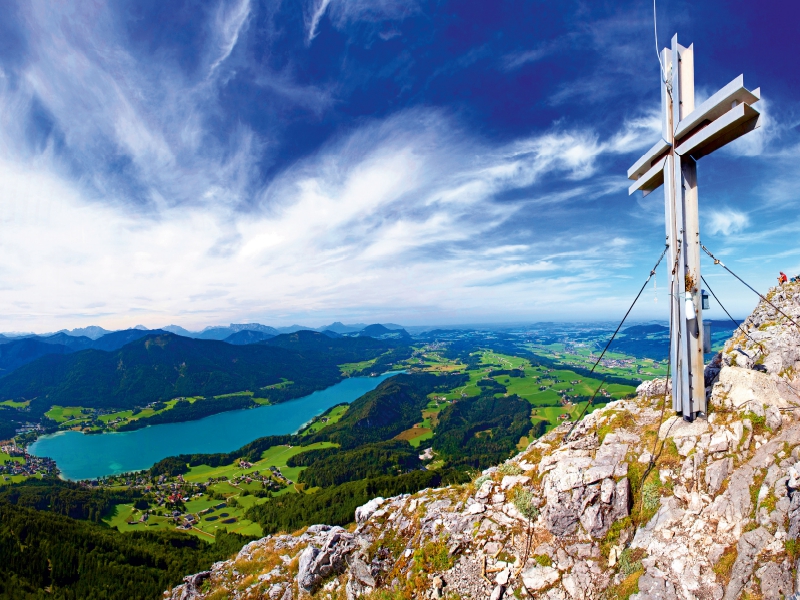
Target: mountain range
18, 351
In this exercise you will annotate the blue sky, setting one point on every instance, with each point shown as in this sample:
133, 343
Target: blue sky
371, 160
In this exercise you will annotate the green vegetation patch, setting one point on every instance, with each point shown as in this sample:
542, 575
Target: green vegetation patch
61, 414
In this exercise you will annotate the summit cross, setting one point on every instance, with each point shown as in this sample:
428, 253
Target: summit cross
688, 134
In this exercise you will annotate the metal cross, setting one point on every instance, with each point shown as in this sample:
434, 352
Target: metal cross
688, 134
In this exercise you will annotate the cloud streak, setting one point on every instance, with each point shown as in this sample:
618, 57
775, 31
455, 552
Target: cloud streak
229, 24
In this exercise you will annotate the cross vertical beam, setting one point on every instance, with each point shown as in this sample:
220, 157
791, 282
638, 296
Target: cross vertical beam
688, 134
683, 233
690, 397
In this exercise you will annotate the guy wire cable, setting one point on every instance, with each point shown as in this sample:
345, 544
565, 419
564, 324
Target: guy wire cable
644, 285
721, 264
654, 456
739, 327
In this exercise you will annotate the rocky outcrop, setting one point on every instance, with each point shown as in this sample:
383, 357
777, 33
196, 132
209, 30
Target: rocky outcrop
630, 506
772, 343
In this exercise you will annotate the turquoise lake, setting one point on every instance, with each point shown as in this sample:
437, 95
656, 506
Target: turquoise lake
82, 456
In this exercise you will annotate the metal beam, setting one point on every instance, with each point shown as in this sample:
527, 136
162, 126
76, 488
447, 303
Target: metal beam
717, 105
731, 125
651, 180
644, 164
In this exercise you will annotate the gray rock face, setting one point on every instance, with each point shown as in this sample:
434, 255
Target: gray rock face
653, 585
191, 588
579, 485
317, 563
746, 390
716, 473
776, 581
749, 546
775, 342
537, 578
592, 506
794, 517
366, 511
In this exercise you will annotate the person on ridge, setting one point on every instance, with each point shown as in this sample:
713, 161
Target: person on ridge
782, 278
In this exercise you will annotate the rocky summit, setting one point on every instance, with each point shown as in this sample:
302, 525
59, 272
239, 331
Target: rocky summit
637, 503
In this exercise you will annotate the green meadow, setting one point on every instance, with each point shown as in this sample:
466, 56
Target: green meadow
275, 456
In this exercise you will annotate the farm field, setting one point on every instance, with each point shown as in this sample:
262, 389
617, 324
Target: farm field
62, 414
544, 388
15, 403
275, 456
614, 363
350, 368
416, 435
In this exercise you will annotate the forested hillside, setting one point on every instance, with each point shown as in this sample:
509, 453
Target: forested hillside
164, 366
80, 560
387, 410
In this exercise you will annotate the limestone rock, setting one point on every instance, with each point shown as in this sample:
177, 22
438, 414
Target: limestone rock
365, 512
716, 473
749, 546
747, 390
776, 581
677, 428
537, 578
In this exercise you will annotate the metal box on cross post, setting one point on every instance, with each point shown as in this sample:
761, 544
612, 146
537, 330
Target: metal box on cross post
688, 134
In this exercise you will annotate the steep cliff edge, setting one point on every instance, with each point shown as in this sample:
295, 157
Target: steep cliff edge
638, 503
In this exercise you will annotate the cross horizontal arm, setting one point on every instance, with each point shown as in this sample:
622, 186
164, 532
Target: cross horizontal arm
651, 180
644, 164
717, 105
733, 124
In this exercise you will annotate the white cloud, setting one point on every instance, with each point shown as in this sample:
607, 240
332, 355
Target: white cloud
400, 213
318, 9
515, 60
345, 12
229, 24
726, 222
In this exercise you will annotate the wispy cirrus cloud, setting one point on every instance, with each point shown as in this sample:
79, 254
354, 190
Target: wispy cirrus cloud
345, 12
400, 203
726, 222
228, 24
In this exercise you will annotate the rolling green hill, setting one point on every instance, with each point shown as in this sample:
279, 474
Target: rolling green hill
387, 410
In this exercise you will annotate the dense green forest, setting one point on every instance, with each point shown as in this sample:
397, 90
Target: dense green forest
483, 431
336, 505
66, 498
332, 466
79, 560
385, 361
174, 465
164, 366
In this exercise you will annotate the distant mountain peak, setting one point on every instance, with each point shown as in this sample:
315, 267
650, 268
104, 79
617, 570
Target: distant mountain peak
253, 327
178, 330
93, 332
379, 331
141, 328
